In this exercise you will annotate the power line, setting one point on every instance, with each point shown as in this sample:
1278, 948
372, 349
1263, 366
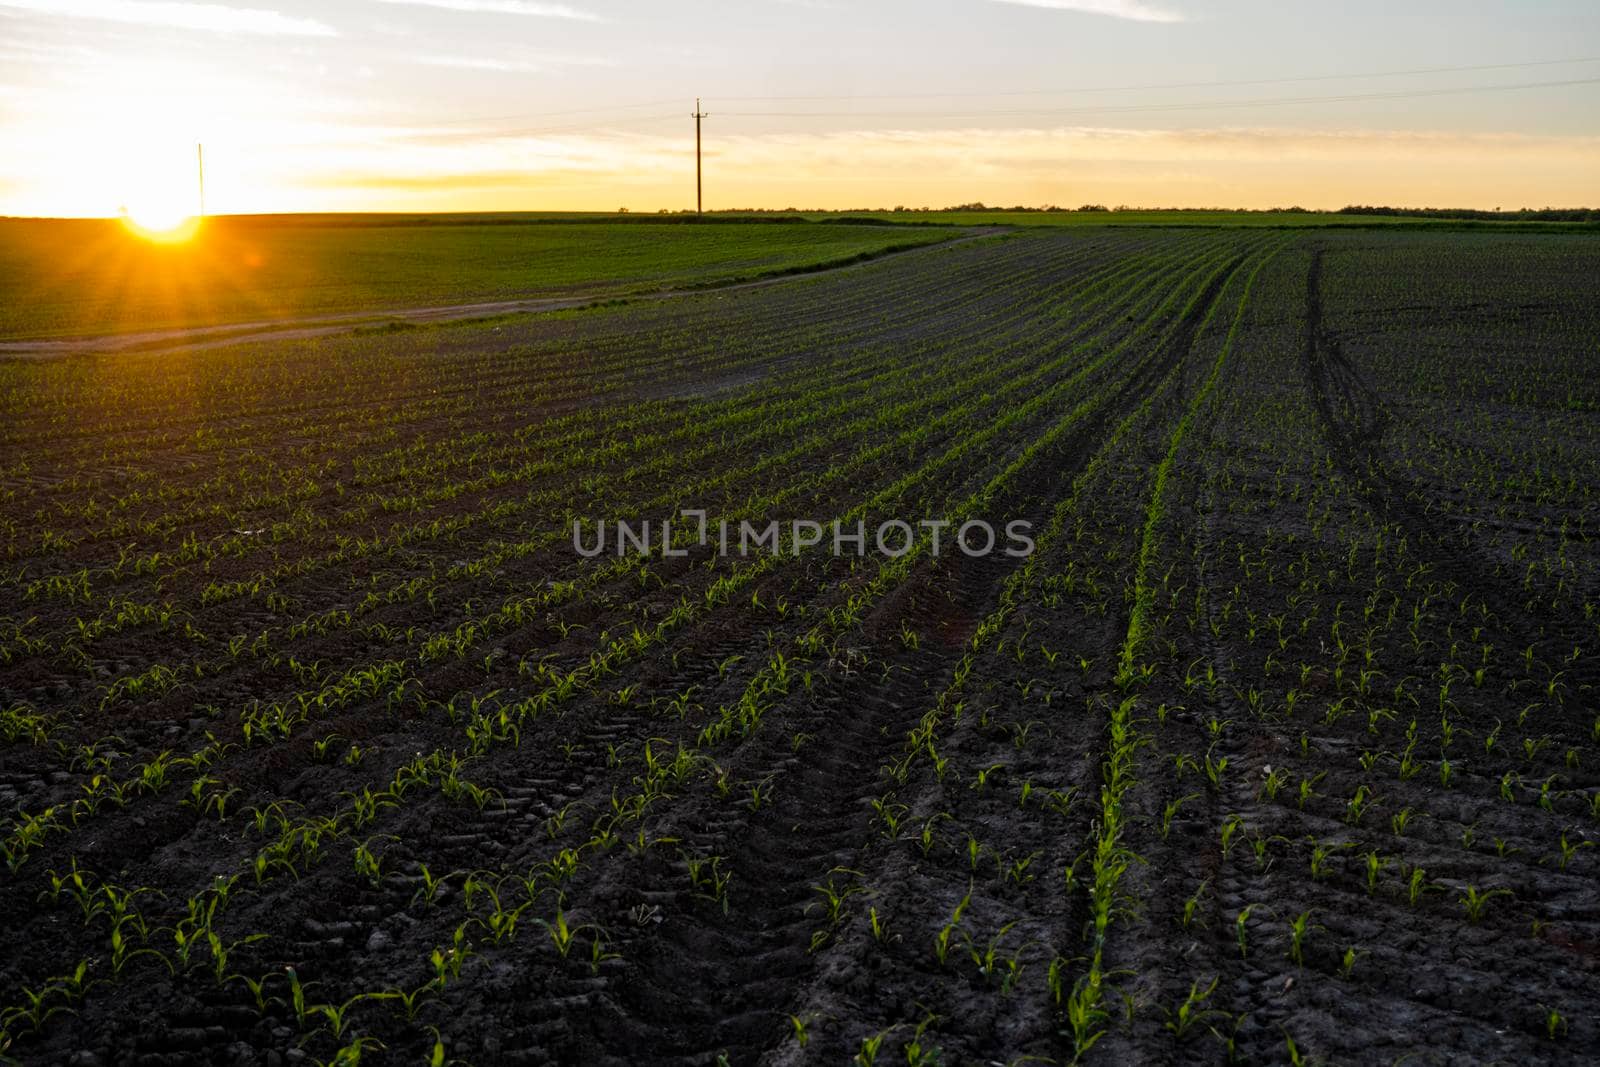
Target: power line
615, 108
1114, 109
1141, 108
1176, 85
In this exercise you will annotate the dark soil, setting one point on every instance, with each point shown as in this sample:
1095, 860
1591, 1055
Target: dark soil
1313, 511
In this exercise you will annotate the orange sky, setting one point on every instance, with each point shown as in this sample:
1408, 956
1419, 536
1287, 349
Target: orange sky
523, 105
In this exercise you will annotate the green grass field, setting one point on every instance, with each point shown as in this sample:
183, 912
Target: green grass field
80, 277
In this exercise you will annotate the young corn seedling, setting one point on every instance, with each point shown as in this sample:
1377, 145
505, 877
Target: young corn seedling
257, 988
1473, 902
1230, 829
123, 951
1086, 1017
1191, 907
1321, 854
297, 996
557, 869
428, 891
323, 749
1308, 787
1272, 780
447, 962
909, 637
1240, 922
367, 863
917, 1054
597, 949
709, 880
1060, 801
1171, 812
1296, 1057
1357, 807
75, 985
338, 1015
1417, 886
1229, 1040
1375, 863
1055, 980
78, 885
987, 957
941, 940
980, 782
1192, 1013
1568, 850
34, 1011
1214, 769
1260, 847
832, 904
1299, 930
878, 926
890, 814
867, 1055
1017, 871
563, 935
221, 952
501, 922
760, 793
275, 813
410, 1003
1013, 972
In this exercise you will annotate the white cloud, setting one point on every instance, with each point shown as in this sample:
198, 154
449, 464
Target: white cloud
503, 66
177, 14
533, 65
1136, 10
54, 55
505, 7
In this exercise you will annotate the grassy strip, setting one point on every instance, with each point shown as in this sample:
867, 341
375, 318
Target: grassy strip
82, 278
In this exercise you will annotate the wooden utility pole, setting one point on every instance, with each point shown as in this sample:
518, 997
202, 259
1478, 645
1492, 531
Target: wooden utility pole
200, 159
699, 206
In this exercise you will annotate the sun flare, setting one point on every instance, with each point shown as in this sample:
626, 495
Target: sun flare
163, 226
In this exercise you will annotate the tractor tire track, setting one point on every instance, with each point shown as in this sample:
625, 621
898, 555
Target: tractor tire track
820, 819
1355, 417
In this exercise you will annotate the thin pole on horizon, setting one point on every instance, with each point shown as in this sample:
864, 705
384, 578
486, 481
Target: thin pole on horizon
699, 205
200, 161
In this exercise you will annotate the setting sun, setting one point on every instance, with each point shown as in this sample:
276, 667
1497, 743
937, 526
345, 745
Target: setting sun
162, 225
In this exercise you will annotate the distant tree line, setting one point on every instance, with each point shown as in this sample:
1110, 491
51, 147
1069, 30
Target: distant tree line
864, 214
1548, 214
